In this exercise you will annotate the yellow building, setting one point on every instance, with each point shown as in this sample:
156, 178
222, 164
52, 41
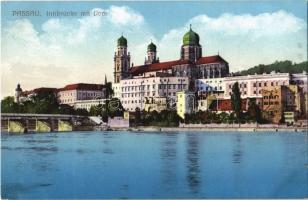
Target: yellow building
281, 101
185, 103
273, 104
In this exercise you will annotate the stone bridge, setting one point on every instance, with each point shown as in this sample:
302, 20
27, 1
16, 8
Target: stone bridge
29, 123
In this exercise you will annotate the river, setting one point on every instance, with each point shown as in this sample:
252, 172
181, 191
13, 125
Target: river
154, 165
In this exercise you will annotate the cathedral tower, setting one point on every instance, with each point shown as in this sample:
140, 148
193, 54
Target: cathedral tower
121, 61
151, 51
191, 49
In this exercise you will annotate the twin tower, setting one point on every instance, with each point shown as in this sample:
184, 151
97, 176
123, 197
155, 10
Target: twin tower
191, 50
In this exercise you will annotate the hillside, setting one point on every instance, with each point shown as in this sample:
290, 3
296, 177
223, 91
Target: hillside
279, 66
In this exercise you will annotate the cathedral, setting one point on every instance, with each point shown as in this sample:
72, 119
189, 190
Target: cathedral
191, 63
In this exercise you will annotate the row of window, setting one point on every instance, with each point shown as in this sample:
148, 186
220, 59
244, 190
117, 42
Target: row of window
271, 103
271, 97
81, 94
216, 81
146, 94
244, 92
210, 88
147, 87
165, 80
244, 85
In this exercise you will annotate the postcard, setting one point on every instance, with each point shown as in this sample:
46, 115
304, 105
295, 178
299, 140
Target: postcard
154, 99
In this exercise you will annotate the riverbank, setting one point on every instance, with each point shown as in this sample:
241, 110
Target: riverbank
208, 129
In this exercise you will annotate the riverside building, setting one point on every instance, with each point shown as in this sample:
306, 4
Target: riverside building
278, 100
134, 85
74, 93
251, 85
138, 91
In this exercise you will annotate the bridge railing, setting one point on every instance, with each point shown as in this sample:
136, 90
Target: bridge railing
36, 115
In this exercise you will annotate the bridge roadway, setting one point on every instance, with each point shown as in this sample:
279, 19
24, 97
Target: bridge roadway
28, 122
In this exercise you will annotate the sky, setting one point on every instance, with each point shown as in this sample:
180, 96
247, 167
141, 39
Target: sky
43, 51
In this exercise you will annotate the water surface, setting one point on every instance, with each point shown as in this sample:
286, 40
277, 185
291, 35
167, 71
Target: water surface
154, 165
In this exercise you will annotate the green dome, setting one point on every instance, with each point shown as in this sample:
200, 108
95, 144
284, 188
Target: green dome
191, 38
151, 47
122, 41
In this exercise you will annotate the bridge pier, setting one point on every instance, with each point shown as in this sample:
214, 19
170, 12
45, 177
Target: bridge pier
53, 124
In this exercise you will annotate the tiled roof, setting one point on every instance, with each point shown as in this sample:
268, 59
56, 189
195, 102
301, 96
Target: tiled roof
157, 66
168, 65
210, 59
82, 86
39, 90
225, 105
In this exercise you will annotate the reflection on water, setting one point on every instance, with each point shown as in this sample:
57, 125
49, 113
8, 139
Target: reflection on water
192, 163
168, 157
237, 150
95, 165
107, 140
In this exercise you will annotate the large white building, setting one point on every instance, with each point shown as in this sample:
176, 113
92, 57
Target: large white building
87, 104
73, 93
251, 85
136, 91
210, 85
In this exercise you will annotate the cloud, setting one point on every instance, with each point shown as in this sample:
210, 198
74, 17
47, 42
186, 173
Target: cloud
68, 50
82, 49
244, 40
125, 16
265, 24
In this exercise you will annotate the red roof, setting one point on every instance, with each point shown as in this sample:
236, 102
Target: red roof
168, 65
225, 105
210, 59
39, 90
82, 86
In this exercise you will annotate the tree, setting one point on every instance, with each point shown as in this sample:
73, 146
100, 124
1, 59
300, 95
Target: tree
82, 112
236, 101
66, 109
104, 113
137, 116
109, 90
254, 111
114, 107
96, 110
9, 106
224, 117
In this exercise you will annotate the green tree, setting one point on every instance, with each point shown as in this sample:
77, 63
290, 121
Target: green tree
109, 90
81, 112
9, 106
254, 111
236, 101
66, 109
114, 107
224, 117
137, 116
278, 66
104, 113
96, 110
